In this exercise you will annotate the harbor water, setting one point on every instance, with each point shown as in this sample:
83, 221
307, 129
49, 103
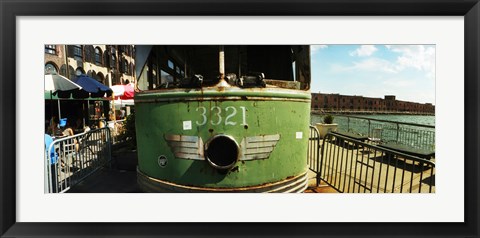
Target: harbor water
417, 119
393, 130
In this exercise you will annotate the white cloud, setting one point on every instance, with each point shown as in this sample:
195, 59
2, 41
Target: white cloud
375, 64
398, 83
315, 48
419, 57
364, 50
369, 64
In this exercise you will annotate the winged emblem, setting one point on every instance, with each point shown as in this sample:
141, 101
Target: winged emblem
258, 147
251, 148
186, 147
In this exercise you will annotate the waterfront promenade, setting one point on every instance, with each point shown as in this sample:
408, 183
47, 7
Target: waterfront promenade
363, 170
121, 177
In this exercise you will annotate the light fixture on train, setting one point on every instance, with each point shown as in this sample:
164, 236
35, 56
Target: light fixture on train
222, 151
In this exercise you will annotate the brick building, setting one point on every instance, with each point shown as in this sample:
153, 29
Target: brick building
109, 64
348, 103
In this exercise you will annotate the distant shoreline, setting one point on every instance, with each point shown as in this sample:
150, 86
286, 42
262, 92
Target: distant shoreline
371, 112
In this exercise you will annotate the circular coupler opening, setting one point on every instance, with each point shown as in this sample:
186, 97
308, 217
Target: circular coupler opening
221, 151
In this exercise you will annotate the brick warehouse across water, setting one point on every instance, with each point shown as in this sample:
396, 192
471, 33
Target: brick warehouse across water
348, 103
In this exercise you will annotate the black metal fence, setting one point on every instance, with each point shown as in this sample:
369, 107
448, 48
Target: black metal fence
411, 134
314, 146
352, 166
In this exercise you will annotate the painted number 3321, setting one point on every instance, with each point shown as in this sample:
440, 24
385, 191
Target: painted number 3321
219, 115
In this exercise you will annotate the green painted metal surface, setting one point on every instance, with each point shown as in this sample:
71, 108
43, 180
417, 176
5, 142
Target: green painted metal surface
239, 113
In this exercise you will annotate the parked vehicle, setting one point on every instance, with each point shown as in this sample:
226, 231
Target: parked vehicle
222, 118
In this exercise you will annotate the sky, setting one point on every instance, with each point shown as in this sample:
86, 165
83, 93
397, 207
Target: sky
406, 71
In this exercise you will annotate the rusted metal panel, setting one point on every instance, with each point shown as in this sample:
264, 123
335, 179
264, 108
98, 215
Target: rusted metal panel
271, 145
283, 84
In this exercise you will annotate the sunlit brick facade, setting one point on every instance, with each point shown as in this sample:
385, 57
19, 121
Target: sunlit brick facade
108, 64
348, 103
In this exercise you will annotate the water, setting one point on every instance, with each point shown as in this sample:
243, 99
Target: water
424, 120
415, 136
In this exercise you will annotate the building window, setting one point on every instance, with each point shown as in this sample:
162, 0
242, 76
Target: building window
50, 69
79, 71
113, 63
155, 81
115, 76
51, 49
170, 64
98, 56
106, 59
125, 66
165, 77
126, 50
89, 54
113, 50
77, 52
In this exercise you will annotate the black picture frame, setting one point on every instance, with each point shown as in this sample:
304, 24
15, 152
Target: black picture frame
10, 9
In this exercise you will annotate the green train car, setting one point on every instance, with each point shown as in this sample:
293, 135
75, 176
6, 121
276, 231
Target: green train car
230, 118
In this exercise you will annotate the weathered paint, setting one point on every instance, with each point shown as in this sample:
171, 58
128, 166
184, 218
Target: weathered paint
289, 185
260, 116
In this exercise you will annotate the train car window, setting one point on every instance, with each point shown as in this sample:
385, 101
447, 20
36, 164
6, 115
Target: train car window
244, 66
170, 64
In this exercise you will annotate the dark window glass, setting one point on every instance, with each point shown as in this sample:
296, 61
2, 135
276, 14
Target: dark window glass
51, 49
170, 64
77, 51
89, 54
98, 56
165, 77
125, 67
106, 61
113, 63
50, 68
79, 71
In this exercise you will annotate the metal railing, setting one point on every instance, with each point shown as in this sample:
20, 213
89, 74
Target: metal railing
313, 153
353, 166
71, 159
411, 134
